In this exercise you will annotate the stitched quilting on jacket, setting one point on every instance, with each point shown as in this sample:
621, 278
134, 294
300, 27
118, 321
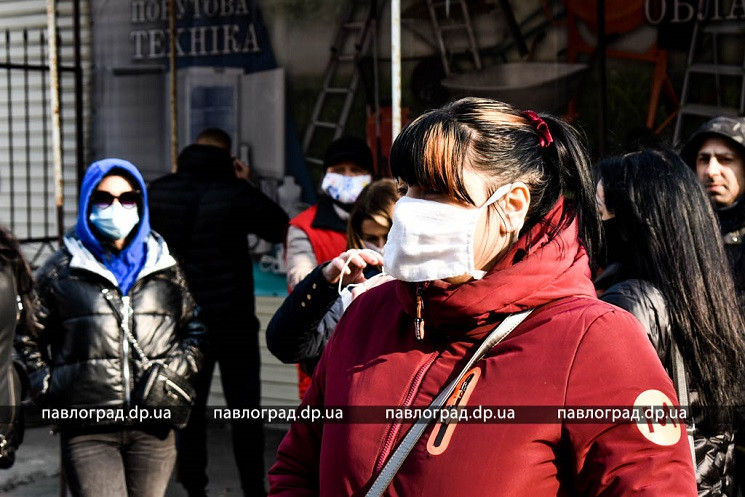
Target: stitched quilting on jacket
80, 357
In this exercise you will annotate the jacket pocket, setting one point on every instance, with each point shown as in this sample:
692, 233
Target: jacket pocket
442, 433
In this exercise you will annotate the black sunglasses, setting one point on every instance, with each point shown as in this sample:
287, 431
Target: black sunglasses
128, 200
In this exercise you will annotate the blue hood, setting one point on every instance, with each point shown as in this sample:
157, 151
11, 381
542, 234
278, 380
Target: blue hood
127, 264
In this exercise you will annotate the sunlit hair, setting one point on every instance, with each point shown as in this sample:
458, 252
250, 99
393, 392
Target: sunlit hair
496, 141
375, 202
674, 242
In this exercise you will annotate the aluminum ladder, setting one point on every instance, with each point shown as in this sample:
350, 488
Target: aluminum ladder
342, 76
707, 34
446, 27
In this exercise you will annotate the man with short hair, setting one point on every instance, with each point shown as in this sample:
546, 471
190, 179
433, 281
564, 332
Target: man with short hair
319, 233
205, 211
716, 152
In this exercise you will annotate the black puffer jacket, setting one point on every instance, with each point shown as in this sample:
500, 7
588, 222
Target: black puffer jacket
732, 223
205, 214
80, 356
714, 451
303, 324
11, 377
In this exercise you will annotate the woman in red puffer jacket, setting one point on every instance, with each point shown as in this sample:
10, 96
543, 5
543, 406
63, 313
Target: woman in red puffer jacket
499, 217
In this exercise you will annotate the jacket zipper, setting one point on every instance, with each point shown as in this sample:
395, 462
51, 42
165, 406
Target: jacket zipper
419, 318
452, 407
125, 349
126, 316
394, 428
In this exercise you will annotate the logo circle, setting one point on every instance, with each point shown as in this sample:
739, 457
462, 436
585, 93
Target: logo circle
656, 424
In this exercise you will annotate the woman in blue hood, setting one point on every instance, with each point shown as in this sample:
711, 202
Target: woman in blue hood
113, 304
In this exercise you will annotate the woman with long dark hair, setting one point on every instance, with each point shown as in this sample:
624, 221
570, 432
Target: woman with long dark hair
665, 263
17, 299
492, 305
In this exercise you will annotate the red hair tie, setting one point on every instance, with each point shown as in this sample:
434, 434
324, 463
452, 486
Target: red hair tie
541, 127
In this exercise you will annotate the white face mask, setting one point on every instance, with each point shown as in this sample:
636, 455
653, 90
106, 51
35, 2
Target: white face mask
431, 240
343, 188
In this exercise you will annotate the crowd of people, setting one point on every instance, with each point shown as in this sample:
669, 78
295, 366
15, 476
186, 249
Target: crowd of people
497, 267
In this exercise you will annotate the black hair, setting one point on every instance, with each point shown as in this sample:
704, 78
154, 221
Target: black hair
10, 254
499, 141
216, 137
673, 242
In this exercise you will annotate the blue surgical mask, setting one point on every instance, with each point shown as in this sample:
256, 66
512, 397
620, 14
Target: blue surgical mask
114, 221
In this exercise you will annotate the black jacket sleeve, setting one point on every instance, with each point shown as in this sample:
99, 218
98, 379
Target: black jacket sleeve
10, 391
648, 306
263, 217
31, 343
188, 358
292, 335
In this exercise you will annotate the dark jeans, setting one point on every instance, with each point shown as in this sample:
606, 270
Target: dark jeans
123, 462
238, 355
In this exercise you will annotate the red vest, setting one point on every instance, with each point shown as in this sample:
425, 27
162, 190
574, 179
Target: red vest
326, 244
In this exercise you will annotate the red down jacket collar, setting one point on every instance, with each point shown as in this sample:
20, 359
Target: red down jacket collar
522, 279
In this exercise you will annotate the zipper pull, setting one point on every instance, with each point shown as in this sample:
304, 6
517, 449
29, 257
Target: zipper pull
107, 294
456, 402
419, 320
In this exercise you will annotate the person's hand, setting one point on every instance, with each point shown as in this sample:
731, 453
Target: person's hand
242, 171
371, 283
352, 273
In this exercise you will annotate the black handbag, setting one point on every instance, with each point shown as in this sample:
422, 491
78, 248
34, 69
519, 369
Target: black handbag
164, 390
161, 390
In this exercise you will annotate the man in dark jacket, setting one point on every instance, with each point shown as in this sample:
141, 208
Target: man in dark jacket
319, 233
716, 152
205, 211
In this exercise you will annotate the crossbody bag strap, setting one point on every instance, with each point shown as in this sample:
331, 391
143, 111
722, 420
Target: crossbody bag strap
126, 324
412, 436
681, 388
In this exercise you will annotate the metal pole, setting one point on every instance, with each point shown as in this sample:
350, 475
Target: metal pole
603, 117
54, 87
382, 166
79, 136
174, 84
396, 67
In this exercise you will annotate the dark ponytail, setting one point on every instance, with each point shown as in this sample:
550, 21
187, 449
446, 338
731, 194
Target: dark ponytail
569, 159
